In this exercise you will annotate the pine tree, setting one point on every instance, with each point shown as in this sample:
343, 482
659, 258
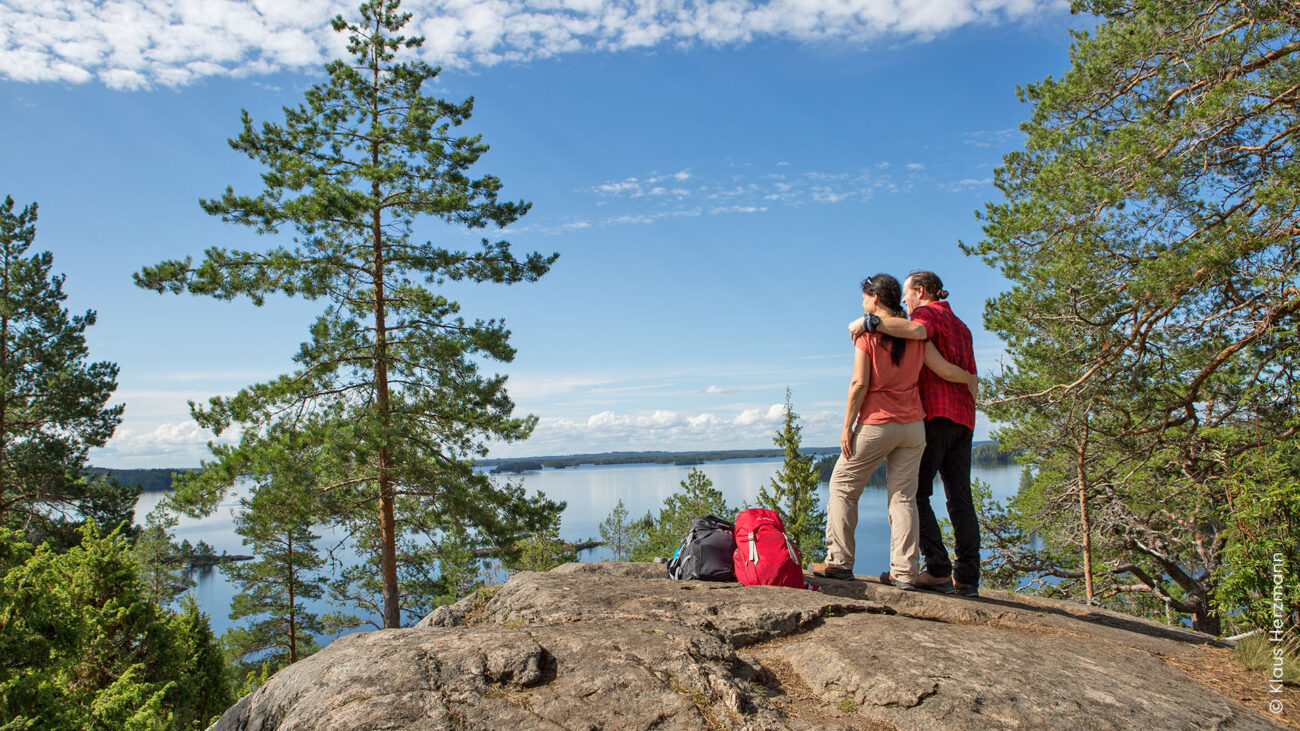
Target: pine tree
460, 570
206, 692
161, 562
794, 492
541, 551
52, 401
660, 535
276, 523
618, 533
389, 385
1149, 234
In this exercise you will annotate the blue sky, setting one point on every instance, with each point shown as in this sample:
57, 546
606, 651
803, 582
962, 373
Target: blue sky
716, 177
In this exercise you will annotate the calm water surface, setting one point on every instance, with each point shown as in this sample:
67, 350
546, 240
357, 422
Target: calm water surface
590, 493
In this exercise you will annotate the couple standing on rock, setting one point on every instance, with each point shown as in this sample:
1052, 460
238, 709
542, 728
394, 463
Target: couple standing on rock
911, 403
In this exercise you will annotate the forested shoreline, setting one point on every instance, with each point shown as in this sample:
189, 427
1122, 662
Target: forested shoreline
159, 479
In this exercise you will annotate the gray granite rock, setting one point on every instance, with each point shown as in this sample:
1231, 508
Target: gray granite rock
618, 646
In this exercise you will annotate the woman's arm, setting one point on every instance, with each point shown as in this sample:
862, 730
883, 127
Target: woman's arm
944, 369
858, 384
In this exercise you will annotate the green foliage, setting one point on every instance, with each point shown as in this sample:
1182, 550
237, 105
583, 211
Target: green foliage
276, 522
990, 454
388, 390
826, 467
618, 533
658, 536
148, 480
39, 629
1259, 580
794, 493
541, 551
52, 401
1148, 232
206, 691
85, 647
253, 679
161, 560
460, 570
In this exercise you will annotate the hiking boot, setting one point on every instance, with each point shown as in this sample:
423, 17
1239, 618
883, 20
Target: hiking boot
829, 572
885, 578
903, 585
943, 585
970, 590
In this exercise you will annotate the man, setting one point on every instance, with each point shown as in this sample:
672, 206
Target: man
949, 426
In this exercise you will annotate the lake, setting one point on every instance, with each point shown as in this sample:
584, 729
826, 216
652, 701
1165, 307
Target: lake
591, 492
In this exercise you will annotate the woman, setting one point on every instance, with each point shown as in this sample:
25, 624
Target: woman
883, 420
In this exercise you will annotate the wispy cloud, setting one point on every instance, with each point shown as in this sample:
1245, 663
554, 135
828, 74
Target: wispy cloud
724, 428
999, 138
751, 191
134, 44
965, 184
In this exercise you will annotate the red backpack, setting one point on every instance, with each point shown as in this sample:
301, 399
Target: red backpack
764, 555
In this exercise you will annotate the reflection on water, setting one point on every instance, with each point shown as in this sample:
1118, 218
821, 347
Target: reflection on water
590, 493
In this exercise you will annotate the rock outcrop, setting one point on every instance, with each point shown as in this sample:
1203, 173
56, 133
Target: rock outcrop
617, 646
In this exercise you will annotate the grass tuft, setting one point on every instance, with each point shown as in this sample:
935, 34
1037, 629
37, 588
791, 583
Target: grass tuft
1259, 653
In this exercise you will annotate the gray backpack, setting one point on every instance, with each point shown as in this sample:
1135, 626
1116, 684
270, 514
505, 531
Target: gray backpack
706, 552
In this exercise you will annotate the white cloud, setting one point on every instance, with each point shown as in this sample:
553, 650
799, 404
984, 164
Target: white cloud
133, 44
744, 428
965, 184
174, 444
1001, 138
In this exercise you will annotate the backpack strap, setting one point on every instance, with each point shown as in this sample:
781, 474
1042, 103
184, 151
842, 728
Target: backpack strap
753, 548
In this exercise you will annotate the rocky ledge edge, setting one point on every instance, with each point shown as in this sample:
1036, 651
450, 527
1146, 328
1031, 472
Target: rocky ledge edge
617, 645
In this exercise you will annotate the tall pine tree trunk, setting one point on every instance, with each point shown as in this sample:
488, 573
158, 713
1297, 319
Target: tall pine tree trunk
293, 629
387, 523
387, 527
1083, 513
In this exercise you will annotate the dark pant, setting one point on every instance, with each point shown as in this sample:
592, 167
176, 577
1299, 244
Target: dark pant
947, 453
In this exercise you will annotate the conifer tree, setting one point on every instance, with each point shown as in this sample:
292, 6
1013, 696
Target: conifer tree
389, 385
84, 647
618, 533
206, 692
160, 560
52, 401
794, 492
659, 535
276, 523
1150, 234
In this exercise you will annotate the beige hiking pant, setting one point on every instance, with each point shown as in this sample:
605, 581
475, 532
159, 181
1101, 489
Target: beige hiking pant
901, 445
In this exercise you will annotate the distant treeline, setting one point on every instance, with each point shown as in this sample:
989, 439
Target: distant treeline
153, 480
983, 454
990, 454
608, 458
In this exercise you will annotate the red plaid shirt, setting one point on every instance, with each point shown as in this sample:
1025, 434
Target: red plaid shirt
951, 336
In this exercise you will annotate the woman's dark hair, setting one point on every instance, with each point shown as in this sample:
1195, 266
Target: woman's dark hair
931, 282
890, 295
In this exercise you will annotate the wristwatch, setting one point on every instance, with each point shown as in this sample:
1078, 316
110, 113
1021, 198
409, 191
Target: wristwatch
870, 321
